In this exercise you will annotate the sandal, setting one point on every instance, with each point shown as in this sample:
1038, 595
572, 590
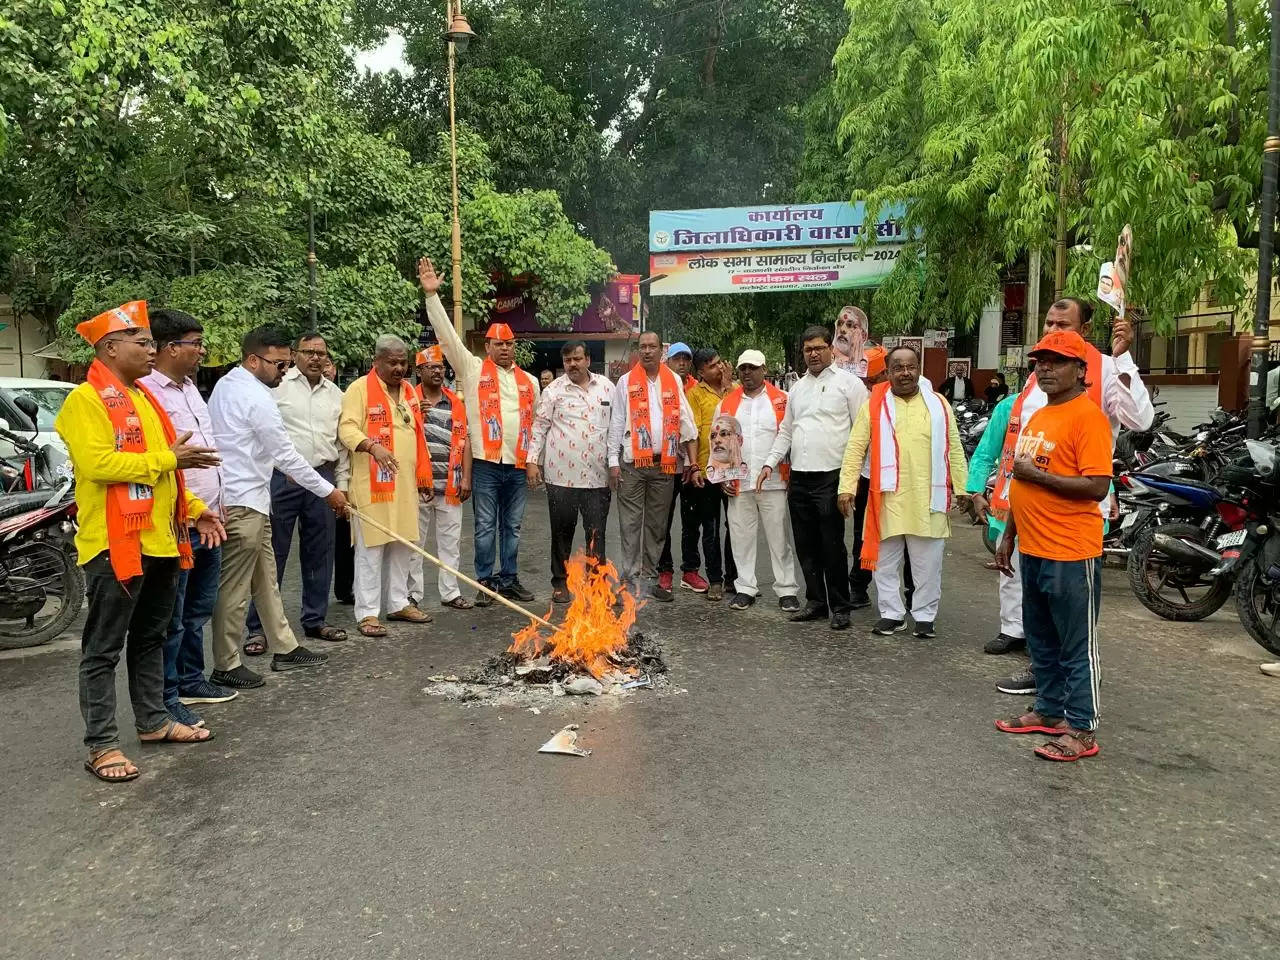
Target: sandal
326, 632
175, 732
111, 759
410, 614
1071, 746
255, 646
1032, 722
458, 603
370, 627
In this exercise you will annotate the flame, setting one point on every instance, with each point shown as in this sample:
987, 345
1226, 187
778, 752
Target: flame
590, 630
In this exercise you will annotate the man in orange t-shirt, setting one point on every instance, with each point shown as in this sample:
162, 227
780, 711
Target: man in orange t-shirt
1061, 470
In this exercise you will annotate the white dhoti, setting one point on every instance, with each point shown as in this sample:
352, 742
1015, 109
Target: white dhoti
445, 541
1011, 598
926, 577
381, 577
749, 512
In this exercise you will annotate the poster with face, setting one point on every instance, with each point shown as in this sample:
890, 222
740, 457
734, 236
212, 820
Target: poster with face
725, 461
852, 329
1113, 277
959, 368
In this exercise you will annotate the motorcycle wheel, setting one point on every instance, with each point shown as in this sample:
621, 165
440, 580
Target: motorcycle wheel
1258, 604
1162, 585
51, 568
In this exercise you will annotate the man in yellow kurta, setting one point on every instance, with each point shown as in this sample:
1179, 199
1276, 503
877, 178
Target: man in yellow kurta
134, 513
381, 424
917, 471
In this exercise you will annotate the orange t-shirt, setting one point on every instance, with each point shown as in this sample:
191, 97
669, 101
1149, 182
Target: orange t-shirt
1071, 439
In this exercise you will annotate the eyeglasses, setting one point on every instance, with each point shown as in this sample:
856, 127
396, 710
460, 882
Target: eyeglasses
145, 344
818, 349
198, 344
281, 365
321, 354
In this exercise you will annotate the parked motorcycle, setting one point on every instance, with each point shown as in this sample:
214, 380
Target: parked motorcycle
972, 416
1252, 554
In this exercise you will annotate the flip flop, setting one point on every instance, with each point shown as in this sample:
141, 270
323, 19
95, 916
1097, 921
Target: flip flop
326, 632
170, 729
370, 627
255, 646
106, 761
459, 603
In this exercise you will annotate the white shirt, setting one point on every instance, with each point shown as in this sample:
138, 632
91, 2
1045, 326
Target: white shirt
310, 416
820, 415
251, 440
1124, 406
571, 432
759, 425
620, 418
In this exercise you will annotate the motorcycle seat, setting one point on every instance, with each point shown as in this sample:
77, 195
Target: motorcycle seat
15, 503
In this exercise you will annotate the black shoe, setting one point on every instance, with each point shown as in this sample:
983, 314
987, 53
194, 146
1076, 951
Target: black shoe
840, 621
887, 628
241, 678
516, 590
1020, 684
482, 598
662, 595
298, 657
859, 599
812, 611
1003, 643
741, 601
924, 629
789, 604
346, 600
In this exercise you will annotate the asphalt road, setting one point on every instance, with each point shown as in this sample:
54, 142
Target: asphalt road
812, 794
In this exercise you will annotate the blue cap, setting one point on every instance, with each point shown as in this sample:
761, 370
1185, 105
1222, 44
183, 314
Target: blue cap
678, 347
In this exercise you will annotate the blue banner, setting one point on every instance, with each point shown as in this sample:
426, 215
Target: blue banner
765, 227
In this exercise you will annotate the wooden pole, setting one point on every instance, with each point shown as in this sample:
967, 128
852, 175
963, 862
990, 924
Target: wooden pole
364, 518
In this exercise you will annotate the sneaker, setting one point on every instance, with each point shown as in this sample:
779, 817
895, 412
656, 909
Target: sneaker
298, 657
859, 599
184, 714
241, 678
1019, 685
715, 591
887, 628
1003, 643
840, 621
206, 692
661, 594
516, 590
482, 598
789, 604
664, 580
741, 601
924, 629
693, 581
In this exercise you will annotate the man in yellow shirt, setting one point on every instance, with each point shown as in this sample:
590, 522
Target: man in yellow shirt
134, 512
917, 471
708, 499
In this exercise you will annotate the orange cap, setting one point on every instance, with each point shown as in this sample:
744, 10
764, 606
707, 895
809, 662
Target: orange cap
127, 316
874, 355
499, 331
1065, 343
433, 354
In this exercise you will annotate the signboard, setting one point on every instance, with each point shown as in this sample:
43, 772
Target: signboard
820, 246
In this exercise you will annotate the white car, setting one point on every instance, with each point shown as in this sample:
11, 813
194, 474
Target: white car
47, 395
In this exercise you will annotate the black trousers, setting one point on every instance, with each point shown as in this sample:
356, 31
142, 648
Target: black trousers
708, 508
132, 618
860, 579
565, 505
344, 561
818, 528
689, 560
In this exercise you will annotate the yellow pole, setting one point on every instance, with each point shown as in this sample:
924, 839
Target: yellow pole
456, 248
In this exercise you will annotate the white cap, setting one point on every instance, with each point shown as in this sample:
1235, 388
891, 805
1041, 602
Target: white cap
752, 358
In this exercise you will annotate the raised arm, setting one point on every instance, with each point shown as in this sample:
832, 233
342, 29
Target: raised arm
464, 363
1124, 395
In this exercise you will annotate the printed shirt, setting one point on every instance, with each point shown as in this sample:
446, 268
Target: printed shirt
188, 412
437, 427
620, 418
86, 429
571, 432
1071, 439
310, 415
759, 425
820, 414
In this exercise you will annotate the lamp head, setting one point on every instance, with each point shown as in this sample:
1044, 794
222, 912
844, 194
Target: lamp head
459, 33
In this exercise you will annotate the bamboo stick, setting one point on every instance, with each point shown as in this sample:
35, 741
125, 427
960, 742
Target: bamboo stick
444, 566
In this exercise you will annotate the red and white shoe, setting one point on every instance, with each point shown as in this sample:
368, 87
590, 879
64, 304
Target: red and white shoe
664, 580
693, 581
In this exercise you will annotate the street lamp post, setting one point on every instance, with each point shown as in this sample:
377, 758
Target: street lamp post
458, 34
1266, 243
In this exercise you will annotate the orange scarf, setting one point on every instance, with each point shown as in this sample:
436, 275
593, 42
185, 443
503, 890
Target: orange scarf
642, 453
1000, 496
729, 407
491, 412
378, 427
129, 505
457, 443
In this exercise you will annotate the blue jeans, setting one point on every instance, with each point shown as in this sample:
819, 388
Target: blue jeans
184, 642
498, 492
292, 506
1060, 601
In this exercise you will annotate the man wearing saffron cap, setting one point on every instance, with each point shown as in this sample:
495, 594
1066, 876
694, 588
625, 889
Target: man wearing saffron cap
381, 424
444, 418
500, 400
134, 515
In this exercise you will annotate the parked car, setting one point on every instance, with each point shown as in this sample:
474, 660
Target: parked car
47, 395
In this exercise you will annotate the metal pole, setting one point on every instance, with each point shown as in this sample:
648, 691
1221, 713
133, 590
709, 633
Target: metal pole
1060, 253
311, 260
456, 246
1266, 239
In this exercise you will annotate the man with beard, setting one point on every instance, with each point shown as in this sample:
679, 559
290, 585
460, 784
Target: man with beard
680, 360
851, 331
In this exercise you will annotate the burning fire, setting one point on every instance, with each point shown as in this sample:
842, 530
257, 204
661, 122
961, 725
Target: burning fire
591, 631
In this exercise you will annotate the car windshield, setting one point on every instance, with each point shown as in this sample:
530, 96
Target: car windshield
48, 399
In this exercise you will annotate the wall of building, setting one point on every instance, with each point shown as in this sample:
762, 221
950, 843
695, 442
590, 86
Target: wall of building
18, 344
1188, 405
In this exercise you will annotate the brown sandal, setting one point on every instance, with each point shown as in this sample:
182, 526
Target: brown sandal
370, 627
410, 614
255, 646
1071, 746
175, 732
459, 603
1032, 722
111, 759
